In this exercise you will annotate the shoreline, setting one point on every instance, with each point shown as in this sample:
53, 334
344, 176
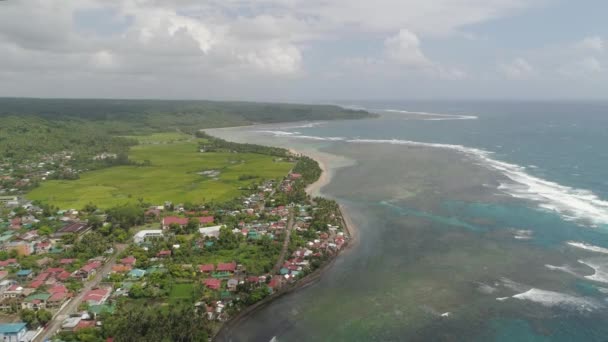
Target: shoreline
313, 190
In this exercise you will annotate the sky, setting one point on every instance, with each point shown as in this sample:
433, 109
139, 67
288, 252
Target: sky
304, 50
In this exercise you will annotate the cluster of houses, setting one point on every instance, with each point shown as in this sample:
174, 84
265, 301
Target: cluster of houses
46, 285
15, 177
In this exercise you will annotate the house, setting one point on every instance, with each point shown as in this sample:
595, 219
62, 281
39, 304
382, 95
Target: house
232, 284
13, 291
213, 231
88, 270
137, 273
119, 268
8, 262
183, 221
98, 309
254, 279
97, 296
12, 332
72, 228
3, 274
67, 261
70, 323
130, 261
24, 274
35, 301
16, 223
43, 247
83, 324
207, 268
212, 283
163, 254
56, 299
144, 235
226, 267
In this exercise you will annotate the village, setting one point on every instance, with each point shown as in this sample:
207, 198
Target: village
59, 275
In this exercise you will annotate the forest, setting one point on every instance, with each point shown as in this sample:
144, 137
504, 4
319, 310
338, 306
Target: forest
32, 127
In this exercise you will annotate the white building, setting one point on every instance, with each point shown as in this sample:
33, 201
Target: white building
143, 235
210, 231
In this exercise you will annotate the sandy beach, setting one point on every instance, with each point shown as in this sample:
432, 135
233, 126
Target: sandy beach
314, 189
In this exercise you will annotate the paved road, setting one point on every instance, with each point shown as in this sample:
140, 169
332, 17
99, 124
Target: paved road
281, 260
72, 306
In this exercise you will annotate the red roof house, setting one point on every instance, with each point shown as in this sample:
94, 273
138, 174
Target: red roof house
88, 269
227, 267
212, 283
164, 253
130, 260
97, 296
182, 221
206, 268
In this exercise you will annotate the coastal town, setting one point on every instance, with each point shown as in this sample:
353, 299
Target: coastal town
65, 272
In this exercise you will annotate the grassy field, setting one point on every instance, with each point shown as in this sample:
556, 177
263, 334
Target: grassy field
173, 175
161, 138
181, 291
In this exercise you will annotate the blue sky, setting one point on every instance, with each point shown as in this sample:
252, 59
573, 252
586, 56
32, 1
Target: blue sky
305, 50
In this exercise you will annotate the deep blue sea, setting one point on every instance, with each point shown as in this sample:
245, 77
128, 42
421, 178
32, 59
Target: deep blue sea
484, 221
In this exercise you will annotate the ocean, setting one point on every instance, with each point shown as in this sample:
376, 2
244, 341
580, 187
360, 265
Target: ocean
477, 221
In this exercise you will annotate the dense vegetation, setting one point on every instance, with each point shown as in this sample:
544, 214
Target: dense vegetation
213, 144
33, 126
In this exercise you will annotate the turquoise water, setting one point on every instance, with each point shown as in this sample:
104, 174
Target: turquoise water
454, 244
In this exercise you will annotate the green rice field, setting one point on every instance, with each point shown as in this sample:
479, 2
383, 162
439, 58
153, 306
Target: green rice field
175, 173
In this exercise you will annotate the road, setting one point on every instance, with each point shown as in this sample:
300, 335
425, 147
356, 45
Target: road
281, 260
55, 325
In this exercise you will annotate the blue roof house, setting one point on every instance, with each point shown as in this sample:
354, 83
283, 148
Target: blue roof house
12, 332
137, 273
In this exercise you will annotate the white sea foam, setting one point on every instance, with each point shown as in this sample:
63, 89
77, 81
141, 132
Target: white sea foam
571, 203
582, 206
522, 234
565, 268
558, 299
588, 247
300, 136
434, 116
305, 125
279, 133
513, 285
600, 267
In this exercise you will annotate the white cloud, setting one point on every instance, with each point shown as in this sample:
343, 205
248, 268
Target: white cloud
594, 43
223, 43
518, 69
584, 68
404, 49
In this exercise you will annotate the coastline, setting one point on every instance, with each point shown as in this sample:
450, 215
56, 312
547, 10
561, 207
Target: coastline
312, 190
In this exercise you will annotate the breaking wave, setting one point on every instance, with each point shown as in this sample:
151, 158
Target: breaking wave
558, 299
579, 205
571, 203
600, 267
588, 247
434, 116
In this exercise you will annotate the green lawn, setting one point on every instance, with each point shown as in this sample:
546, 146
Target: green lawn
181, 291
172, 176
253, 257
